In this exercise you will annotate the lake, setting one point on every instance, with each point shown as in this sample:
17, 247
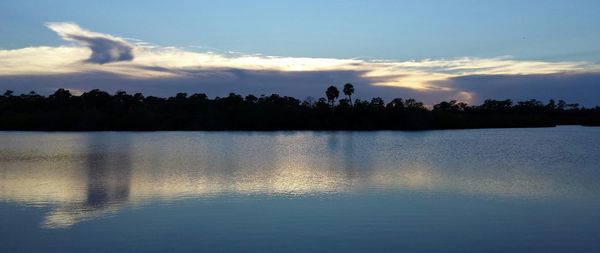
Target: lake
491, 190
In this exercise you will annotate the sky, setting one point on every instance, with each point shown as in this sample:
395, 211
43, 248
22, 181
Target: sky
466, 50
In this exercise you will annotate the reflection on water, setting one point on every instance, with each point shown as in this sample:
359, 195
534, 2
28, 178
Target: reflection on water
88, 175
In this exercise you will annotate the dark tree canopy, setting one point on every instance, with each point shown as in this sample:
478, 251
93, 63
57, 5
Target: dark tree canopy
99, 110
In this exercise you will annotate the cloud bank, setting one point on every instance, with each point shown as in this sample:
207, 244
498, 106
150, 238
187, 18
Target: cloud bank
98, 60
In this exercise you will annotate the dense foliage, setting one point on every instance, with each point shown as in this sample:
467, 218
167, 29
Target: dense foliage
98, 110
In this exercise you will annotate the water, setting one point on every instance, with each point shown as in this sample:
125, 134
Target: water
496, 190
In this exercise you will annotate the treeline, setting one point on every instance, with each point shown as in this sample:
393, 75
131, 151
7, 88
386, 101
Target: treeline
99, 110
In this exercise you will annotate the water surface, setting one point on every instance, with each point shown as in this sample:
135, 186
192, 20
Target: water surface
494, 190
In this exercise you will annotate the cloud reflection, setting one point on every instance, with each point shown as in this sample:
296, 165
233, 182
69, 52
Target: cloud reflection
90, 175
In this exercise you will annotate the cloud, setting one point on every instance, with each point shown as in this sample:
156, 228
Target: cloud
165, 70
105, 48
221, 82
583, 88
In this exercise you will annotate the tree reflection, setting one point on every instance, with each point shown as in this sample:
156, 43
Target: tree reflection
89, 175
108, 178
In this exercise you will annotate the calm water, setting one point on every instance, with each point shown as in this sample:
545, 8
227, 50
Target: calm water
508, 190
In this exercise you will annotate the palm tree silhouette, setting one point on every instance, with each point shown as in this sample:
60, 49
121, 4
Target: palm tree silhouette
332, 94
348, 91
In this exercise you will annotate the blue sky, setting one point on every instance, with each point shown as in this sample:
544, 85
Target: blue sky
533, 29
542, 31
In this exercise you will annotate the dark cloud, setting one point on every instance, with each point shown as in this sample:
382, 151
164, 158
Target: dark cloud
219, 82
105, 50
583, 88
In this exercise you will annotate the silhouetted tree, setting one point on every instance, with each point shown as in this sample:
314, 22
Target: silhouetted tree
308, 102
561, 105
377, 103
332, 94
551, 105
96, 99
99, 110
348, 91
452, 106
413, 104
251, 99
344, 103
490, 105
395, 104
61, 94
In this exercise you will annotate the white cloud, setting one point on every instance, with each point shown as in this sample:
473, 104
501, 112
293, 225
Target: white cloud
103, 53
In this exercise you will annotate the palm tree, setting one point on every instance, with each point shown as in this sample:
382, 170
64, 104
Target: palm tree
348, 91
332, 94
